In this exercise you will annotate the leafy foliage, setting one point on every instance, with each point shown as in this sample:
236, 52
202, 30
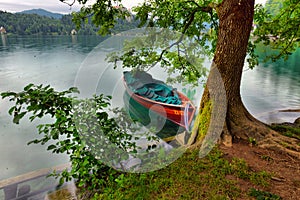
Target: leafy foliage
25, 24
287, 130
180, 56
187, 20
68, 135
104, 14
197, 20
278, 26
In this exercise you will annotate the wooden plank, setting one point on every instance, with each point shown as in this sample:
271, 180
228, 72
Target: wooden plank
10, 191
37, 192
32, 175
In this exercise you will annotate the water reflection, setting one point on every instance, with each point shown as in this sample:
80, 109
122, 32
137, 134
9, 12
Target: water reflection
4, 40
74, 39
273, 86
82, 44
39, 60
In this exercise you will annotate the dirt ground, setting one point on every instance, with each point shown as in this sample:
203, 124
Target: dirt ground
285, 169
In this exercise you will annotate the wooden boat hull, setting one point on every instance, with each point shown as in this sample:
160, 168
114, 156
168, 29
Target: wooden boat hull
181, 115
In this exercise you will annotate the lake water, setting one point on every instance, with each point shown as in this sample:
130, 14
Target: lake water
272, 87
41, 60
58, 61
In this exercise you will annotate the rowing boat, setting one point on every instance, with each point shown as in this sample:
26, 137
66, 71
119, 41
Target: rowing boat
152, 94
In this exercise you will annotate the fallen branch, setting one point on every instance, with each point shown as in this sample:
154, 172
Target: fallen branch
277, 179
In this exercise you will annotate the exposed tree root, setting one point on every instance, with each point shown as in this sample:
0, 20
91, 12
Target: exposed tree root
255, 132
279, 142
248, 129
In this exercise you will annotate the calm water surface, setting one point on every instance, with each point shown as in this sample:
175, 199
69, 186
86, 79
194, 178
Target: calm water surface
40, 60
57, 60
271, 87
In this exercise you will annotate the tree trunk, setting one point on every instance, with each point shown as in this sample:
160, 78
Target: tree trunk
222, 99
235, 23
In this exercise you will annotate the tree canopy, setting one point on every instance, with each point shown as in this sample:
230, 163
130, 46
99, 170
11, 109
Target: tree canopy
277, 20
278, 26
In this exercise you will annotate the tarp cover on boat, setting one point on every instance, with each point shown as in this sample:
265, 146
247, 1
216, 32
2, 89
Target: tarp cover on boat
143, 84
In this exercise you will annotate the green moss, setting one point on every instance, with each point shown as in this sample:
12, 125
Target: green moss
203, 120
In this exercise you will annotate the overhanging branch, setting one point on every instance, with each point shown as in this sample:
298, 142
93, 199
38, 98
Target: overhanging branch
69, 4
187, 24
203, 8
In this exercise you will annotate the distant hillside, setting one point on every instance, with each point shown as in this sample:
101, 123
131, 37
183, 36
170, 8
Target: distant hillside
35, 24
43, 12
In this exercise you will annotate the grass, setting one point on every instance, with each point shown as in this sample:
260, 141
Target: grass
187, 178
289, 131
262, 195
190, 177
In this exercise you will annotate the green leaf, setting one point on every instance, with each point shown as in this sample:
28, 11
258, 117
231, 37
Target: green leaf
81, 184
33, 142
7, 94
74, 90
61, 181
71, 128
11, 110
50, 147
26, 88
17, 117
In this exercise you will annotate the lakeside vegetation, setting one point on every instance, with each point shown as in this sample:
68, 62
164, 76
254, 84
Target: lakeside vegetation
189, 178
34, 24
217, 176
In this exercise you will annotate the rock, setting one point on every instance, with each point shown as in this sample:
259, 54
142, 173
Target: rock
227, 140
181, 138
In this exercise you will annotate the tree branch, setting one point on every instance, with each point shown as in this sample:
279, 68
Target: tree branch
203, 8
285, 49
69, 4
187, 23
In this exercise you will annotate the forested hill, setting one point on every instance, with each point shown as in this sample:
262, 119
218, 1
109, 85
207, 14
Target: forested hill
43, 12
28, 24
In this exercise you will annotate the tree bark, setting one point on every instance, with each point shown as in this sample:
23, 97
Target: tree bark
228, 114
235, 23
